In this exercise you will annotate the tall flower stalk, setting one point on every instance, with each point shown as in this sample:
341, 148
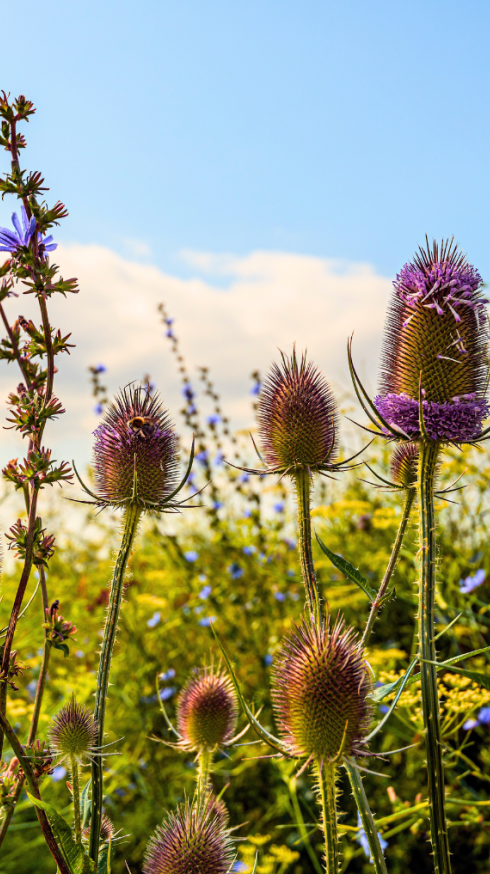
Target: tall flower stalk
434, 382
136, 467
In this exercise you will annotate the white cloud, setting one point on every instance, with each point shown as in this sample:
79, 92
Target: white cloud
271, 300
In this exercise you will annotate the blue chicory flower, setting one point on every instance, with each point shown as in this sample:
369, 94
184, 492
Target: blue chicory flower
255, 390
100, 368
249, 550
268, 659
191, 555
279, 507
243, 478
279, 596
217, 505
207, 620
205, 592
235, 571
363, 841
155, 619
167, 693
98, 410
167, 675
202, 456
214, 419
467, 585
58, 773
10, 241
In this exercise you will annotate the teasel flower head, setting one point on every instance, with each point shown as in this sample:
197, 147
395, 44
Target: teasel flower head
73, 732
297, 417
107, 831
435, 350
404, 465
192, 840
320, 688
207, 710
136, 454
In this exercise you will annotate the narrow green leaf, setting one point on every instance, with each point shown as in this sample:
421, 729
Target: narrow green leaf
476, 676
75, 855
85, 804
104, 866
348, 569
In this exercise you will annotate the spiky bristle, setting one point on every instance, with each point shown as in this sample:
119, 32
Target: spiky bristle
404, 464
207, 710
297, 416
320, 685
192, 840
136, 434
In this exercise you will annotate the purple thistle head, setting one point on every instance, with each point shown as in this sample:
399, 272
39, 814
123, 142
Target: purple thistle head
297, 416
135, 436
320, 688
107, 830
404, 465
193, 840
207, 710
73, 732
436, 334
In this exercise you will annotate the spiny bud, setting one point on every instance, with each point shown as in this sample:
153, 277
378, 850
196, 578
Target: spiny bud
107, 830
297, 416
73, 732
404, 464
320, 685
207, 710
436, 335
190, 841
135, 436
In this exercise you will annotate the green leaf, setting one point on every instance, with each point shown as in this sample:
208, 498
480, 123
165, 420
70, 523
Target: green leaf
482, 679
476, 676
63, 647
104, 866
349, 570
85, 804
75, 855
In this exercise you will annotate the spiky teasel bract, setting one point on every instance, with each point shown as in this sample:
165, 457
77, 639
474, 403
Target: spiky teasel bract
320, 688
207, 710
403, 465
297, 417
435, 349
136, 457
193, 840
73, 733
108, 833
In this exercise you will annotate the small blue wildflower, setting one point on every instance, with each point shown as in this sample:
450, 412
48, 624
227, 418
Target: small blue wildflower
167, 693
155, 619
268, 659
239, 867
167, 675
290, 543
120, 792
170, 334
10, 241
249, 550
79, 653
191, 410
100, 368
214, 419
98, 410
255, 390
247, 513
58, 773
469, 724
243, 478
363, 841
188, 391
198, 609
217, 505
191, 555
466, 586
169, 322
279, 596
279, 507
235, 571
383, 708
202, 456
207, 620
484, 716
218, 459
31, 688
205, 592
290, 573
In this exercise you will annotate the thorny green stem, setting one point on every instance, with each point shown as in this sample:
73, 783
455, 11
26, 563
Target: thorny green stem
33, 787
375, 606
203, 770
301, 826
303, 493
37, 707
77, 818
367, 818
429, 452
326, 773
132, 516
7, 648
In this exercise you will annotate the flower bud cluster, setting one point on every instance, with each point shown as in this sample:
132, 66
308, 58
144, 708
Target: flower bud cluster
43, 544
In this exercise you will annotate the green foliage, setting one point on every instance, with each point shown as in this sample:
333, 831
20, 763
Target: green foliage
255, 597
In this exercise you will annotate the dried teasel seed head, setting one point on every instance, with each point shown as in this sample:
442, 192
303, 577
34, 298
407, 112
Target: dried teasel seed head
207, 710
297, 416
190, 841
404, 464
320, 684
73, 732
436, 332
135, 435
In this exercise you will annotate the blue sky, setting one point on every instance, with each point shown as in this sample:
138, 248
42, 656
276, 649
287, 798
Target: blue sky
264, 168
337, 129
